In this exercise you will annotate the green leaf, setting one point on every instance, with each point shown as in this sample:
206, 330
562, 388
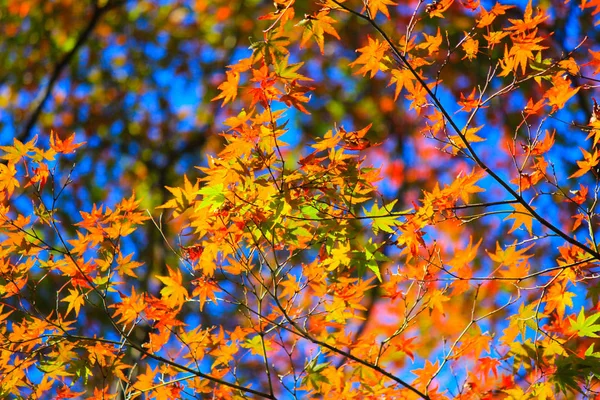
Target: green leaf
314, 373
382, 220
369, 258
586, 327
590, 352
212, 196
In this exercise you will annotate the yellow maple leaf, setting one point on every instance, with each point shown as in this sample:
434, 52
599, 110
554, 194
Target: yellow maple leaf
75, 300
371, 57
228, 88
174, 294
521, 216
376, 6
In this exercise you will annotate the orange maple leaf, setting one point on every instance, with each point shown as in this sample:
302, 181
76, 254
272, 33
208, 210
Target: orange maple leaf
595, 61
8, 182
487, 18
229, 88
63, 146
589, 162
590, 4
130, 308
560, 92
471, 48
494, 38
521, 216
376, 6
557, 299
296, 95
528, 22
522, 50
205, 290
317, 25
403, 78
437, 8
511, 256
371, 57
432, 42
424, 374
469, 103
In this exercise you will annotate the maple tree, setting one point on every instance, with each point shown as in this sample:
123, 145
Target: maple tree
374, 199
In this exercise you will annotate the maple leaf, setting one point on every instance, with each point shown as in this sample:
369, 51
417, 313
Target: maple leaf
329, 141
228, 88
295, 96
590, 161
383, 218
224, 354
129, 308
205, 290
75, 300
589, 4
495, 37
471, 48
403, 78
521, 216
522, 50
471, 5
437, 8
126, 266
316, 26
487, 365
40, 175
18, 150
540, 147
371, 57
424, 374
469, 103
288, 71
256, 345
487, 18
558, 299
290, 287
145, 381
465, 256
594, 131
580, 195
184, 197
534, 109
272, 48
355, 140
376, 6
437, 300
406, 346
44, 386
560, 92
432, 43
595, 61
586, 327
64, 146
528, 22
8, 182
174, 294
456, 143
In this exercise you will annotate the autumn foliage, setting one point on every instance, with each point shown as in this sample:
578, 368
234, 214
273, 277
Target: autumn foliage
390, 200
